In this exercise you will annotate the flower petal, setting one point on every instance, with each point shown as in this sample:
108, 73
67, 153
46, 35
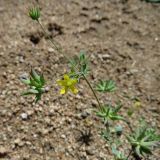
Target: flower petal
63, 91
74, 81
66, 77
74, 89
60, 82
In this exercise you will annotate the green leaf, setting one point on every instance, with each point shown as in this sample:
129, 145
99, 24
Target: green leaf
145, 149
150, 143
106, 86
42, 80
79, 66
25, 81
143, 139
116, 117
82, 56
137, 149
35, 75
36, 85
30, 91
38, 97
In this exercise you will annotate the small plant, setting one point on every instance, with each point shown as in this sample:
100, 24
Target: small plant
106, 86
118, 155
79, 66
109, 112
34, 13
35, 83
141, 140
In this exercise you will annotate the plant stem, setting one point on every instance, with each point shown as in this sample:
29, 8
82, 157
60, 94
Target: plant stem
59, 49
53, 42
94, 93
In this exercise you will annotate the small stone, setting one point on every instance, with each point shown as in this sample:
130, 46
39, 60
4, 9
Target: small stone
156, 39
3, 151
84, 115
63, 136
50, 50
90, 152
18, 142
24, 116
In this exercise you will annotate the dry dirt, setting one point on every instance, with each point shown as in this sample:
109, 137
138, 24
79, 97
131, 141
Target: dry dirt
122, 39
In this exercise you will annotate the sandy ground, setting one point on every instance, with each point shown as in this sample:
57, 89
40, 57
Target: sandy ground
122, 39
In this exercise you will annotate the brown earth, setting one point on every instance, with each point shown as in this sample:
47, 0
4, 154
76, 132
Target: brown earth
122, 39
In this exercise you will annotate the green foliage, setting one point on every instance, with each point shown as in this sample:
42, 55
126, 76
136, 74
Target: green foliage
106, 86
36, 84
108, 112
118, 154
143, 140
79, 66
34, 13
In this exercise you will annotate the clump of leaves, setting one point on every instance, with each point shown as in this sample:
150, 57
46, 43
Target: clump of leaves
34, 13
36, 84
143, 140
118, 155
108, 112
106, 86
79, 66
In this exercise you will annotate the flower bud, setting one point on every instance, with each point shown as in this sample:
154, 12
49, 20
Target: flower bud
34, 13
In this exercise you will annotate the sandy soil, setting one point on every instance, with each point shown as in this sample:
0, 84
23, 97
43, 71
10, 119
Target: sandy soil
122, 39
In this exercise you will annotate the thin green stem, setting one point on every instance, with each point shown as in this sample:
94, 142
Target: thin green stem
55, 44
94, 93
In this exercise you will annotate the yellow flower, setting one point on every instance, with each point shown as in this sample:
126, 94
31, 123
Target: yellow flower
68, 84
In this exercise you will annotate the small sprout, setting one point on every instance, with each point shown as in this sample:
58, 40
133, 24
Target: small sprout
118, 154
107, 136
106, 86
143, 140
34, 13
79, 66
36, 84
109, 112
68, 84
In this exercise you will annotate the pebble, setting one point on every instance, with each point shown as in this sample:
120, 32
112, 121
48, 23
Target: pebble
18, 142
3, 151
24, 116
63, 136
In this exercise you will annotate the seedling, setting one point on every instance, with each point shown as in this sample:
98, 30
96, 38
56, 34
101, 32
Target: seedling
35, 83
